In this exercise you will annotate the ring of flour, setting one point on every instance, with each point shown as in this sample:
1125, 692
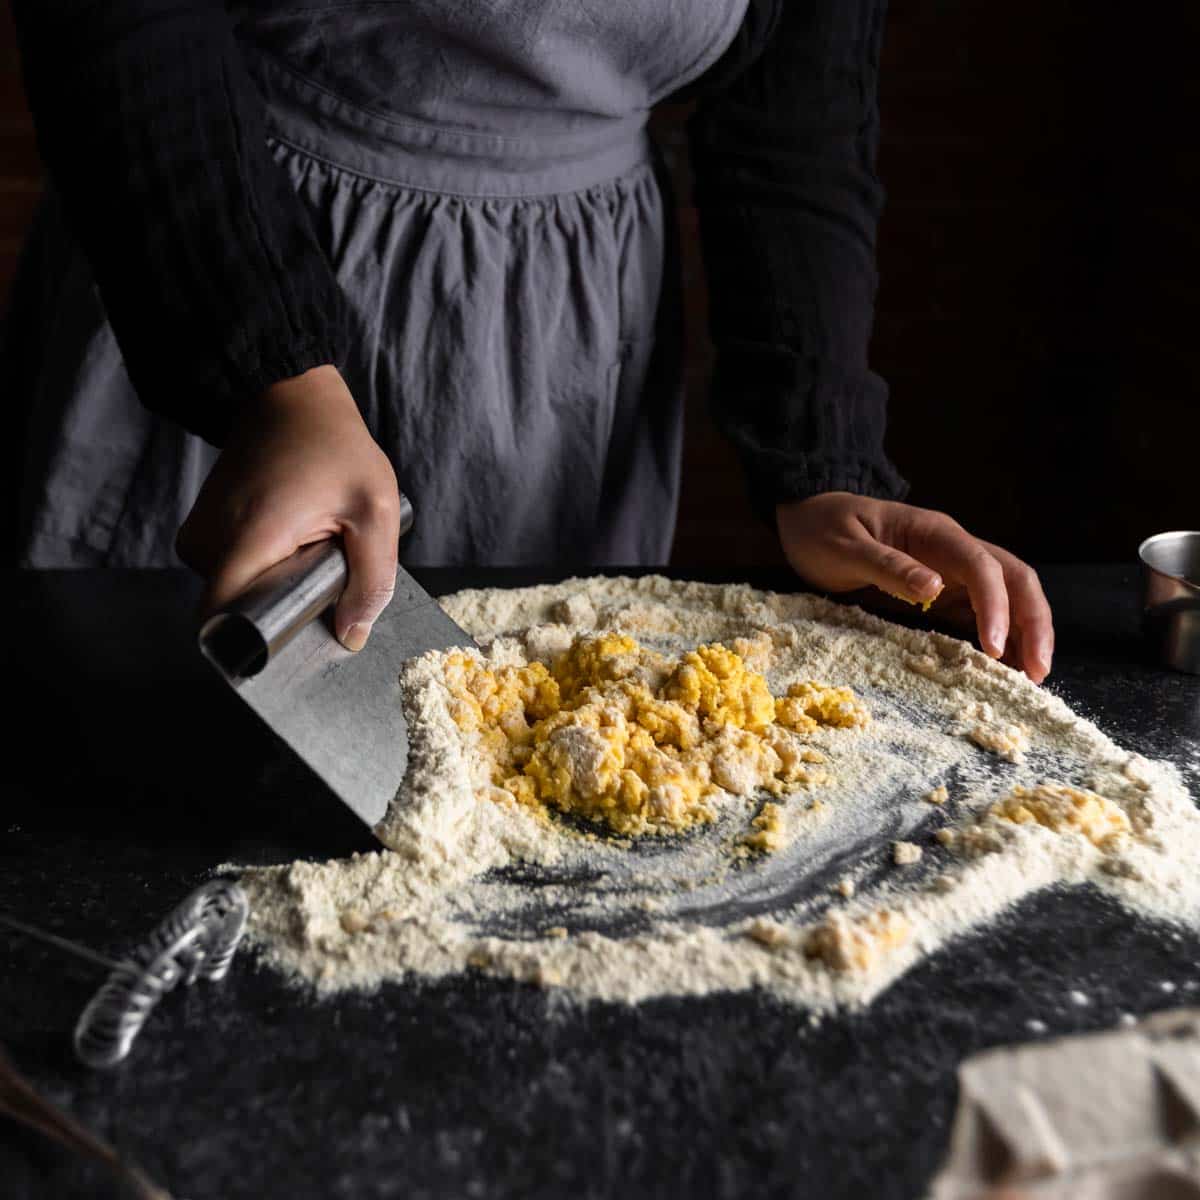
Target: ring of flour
840, 909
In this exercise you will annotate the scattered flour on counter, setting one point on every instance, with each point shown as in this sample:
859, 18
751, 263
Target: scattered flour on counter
983, 785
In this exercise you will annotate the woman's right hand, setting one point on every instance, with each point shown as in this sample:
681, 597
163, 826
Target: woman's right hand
300, 465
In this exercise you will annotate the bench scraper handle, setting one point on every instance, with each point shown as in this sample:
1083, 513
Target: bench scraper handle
242, 637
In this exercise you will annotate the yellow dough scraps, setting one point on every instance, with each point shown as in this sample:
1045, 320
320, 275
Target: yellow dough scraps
923, 603
808, 705
1063, 809
1005, 740
625, 737
768, 827
857, 943
1055, 806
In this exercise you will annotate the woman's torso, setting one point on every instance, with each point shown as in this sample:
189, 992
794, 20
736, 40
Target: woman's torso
530, 68
478, 173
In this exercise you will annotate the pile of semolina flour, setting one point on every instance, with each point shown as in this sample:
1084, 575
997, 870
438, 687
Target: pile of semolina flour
966, 788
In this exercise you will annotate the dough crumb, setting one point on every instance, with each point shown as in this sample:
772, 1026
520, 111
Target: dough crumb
939, 795
768, 932
809, 705
857, 943
923, 603
845, 887
769, 829
923, 664
576, 610
1064, 809
353, 921
904, 854
1137, 771
1057, 807
973, 841
1006, 739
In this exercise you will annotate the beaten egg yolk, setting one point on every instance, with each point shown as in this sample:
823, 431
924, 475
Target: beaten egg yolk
629, 739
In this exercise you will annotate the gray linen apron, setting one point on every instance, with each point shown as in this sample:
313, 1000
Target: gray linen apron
480, 175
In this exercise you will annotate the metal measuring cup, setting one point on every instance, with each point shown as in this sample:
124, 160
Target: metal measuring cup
1171, 597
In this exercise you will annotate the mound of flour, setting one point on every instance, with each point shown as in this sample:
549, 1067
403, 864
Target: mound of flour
900, 851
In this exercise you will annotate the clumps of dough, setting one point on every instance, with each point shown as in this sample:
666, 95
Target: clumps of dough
810, 705
1137, 770
627, 738
939, 795
1058, 807
1004, 739
944, 665
926, 665
754, 651
845, 944
973, 841
904, 854
768, 826
1064, 809
768, 932
925, 604
857, 944
576, 609
353, 921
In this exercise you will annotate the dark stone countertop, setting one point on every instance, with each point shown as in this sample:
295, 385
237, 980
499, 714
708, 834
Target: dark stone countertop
134, 772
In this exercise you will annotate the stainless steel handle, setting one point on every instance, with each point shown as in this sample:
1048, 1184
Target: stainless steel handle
242, 638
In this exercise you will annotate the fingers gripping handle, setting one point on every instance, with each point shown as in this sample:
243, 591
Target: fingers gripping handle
242, 638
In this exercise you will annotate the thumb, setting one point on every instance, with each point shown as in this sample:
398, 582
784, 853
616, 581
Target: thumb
371, 550
893, 571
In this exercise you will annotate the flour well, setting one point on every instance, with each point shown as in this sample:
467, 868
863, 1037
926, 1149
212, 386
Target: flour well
992, 786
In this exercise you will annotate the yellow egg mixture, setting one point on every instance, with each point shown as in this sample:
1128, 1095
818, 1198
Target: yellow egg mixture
1064, 809
638, 742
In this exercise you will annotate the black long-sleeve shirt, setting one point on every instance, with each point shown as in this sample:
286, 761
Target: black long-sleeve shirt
215, 284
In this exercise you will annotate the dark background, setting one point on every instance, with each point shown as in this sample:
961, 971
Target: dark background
1038, 257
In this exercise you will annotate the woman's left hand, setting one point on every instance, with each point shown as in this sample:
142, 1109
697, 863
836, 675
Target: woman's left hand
838, 542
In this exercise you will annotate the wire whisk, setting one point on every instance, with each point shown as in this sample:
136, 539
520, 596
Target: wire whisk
196, 940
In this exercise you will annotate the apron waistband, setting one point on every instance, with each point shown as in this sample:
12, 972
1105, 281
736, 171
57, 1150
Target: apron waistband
415, 153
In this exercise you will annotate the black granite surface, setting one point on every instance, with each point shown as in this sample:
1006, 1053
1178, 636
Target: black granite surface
133, 772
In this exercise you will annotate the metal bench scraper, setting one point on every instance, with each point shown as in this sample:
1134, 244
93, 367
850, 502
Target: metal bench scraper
339, 711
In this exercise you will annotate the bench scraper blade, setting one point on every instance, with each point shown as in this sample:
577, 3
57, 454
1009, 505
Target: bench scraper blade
339, 711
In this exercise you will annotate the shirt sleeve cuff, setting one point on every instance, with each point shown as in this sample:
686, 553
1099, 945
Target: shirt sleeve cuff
211, 399
803, 425
811, 476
